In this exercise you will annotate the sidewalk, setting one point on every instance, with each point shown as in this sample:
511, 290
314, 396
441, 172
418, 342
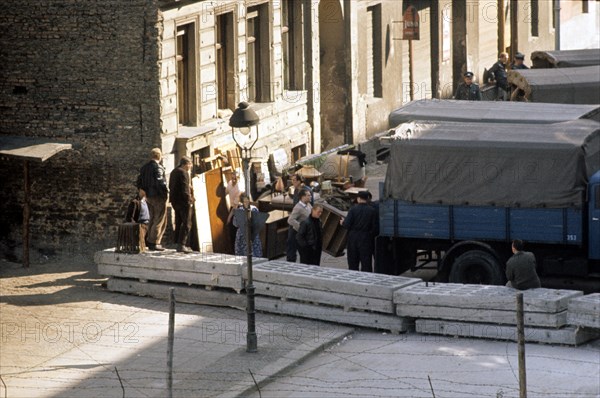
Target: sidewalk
64, 335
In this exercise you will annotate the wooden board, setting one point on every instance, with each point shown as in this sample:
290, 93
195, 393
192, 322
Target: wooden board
211, 211
201, 212
334, 235
218, 210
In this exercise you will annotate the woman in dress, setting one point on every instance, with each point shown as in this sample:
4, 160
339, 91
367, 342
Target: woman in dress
240, 236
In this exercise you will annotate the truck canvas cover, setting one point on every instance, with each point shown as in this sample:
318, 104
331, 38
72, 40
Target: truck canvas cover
579, 85
491, 111
493, 164
565, 58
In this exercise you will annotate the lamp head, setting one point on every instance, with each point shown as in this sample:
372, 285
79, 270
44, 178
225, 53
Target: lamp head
243, 117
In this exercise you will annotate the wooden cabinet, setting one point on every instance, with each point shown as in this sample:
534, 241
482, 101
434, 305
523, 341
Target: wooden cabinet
274, 235
334, 235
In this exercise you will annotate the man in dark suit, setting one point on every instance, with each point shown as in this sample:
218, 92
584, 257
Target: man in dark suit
310, 237
153, 181
182, 201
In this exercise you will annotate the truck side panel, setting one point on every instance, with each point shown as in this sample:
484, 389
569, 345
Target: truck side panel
479, 223
408, 220
547, 225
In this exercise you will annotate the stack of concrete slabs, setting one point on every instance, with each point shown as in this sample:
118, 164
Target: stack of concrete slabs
344, 296
483, 303
567, 335
211, 278
489, 311
585, 311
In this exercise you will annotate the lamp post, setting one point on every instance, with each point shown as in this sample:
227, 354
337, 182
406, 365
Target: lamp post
242, 120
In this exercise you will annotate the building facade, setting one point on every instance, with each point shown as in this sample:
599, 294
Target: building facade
116, 78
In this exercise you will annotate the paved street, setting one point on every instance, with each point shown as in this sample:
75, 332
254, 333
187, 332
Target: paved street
375, 364
64, 335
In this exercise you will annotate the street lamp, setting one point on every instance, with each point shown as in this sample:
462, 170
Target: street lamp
242, 120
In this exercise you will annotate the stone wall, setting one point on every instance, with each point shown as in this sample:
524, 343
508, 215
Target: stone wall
84, 73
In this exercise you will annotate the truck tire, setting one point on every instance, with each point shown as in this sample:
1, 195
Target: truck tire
476, 267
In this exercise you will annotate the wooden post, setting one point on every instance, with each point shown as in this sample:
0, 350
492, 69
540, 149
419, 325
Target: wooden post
501, 22
514, 29
170, 341
411, 71
26, 213
521, 345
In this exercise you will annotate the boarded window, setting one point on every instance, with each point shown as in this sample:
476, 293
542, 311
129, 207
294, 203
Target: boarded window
292, 45
535, 18
258, 53
298, 152
374, 52
186, 78
225, 62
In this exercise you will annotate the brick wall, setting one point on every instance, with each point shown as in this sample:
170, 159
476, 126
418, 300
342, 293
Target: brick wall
86, 73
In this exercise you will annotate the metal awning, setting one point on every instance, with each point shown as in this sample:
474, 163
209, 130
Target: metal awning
29, 149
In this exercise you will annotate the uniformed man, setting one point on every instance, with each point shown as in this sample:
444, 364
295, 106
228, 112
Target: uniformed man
468, 90
497, 76
361, 223
518, 62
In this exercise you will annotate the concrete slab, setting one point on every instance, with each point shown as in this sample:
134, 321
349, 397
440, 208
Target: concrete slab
484, 297
323, 297
568, 335
209, 263
585, 320
191, 278
333, 314
555, 320
329, 279
183, 293
588, 304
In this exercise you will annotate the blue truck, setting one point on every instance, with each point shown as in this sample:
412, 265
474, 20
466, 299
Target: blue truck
458, 193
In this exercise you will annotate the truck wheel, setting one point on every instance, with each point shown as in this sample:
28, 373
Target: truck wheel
476, 267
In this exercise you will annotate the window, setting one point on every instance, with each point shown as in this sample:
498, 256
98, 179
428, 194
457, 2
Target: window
225, 63
535, 17
198, 159
585, 6
374, 52
298, 152
258, 53
186, 79
292, 45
